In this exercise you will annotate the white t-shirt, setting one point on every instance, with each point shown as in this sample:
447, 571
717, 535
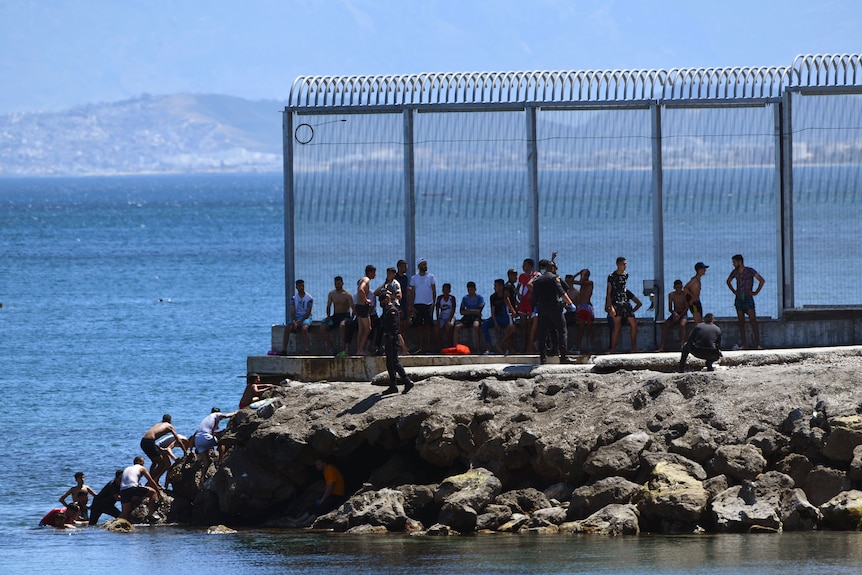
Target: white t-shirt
422, 293
301, 305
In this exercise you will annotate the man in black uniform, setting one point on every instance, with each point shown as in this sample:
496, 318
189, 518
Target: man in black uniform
389, 325
547, 291
704, 342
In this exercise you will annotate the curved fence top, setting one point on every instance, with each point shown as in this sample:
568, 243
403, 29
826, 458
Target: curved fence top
574, 86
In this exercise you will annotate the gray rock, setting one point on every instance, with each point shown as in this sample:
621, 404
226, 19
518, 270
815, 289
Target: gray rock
458, 516
823, 483
619, 458
770, 503
844, 511
517, 522
550, 515
697, 444
588, 499
493, 516
476, 488
384, 507
738, 461
797, 466
418, 499
855, 472
462, 496
771, 443
611, 520
523, 500
559, 491
844, 435
715, 485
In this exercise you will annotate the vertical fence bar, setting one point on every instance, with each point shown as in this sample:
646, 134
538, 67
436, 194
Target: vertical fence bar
409, 191
784, 177
289, 255
657, 208
533, 181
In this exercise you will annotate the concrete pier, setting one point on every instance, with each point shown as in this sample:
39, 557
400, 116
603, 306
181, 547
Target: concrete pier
797, 331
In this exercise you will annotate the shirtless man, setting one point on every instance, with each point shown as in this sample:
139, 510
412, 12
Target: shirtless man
692, 292
586, 314
339, 305
253, 389
362, 308
677, 305
80, 493
161, 460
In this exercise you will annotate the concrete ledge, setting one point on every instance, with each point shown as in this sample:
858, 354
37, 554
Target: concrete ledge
475, 367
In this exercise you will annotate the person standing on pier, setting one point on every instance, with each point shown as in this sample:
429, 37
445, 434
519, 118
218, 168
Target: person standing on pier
744, 301
390, 323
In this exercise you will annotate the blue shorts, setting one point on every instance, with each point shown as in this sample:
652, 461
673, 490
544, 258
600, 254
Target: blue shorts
204, 442
744, 303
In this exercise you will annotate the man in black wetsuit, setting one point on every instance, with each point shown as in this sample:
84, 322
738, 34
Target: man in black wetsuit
547, 291
704, 342
389, 324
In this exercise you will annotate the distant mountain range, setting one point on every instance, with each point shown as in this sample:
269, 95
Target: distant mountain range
152, 134
187, 133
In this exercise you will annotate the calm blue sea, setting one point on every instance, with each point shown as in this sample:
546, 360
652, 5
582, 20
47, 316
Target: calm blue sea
125, 298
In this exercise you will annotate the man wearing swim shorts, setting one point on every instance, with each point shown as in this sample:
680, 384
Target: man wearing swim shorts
586, 313
205, 439
161, 461
618, 306
744, 301
339, 304
692, 292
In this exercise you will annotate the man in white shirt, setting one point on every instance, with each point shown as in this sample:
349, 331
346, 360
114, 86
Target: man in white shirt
423, 295
300, 316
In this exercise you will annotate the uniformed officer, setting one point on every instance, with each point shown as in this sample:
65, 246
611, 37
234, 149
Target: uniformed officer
391, 342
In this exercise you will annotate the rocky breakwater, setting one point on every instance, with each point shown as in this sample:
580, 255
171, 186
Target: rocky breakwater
755, 447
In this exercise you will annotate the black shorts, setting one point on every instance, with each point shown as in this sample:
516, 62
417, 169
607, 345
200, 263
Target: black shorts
149, 447
624, 310
335, 320
469, 320
126, 495
423, 315
362, 310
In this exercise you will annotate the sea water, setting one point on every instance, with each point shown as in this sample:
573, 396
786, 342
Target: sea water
126, 298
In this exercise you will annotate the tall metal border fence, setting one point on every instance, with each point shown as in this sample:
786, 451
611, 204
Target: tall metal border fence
477, 171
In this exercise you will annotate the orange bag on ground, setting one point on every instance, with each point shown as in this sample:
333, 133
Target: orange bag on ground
459, 349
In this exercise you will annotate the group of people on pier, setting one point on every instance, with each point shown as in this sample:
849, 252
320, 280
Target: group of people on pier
515, 312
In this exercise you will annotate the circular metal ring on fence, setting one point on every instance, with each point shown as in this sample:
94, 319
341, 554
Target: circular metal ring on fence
305, 135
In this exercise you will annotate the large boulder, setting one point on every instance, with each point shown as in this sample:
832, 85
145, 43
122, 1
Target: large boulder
844, 511
611, 520
771, 503
523, 500
672, 499
844, 435
621, 457
493, 517
697, 444
823, 483
384, 508
740, 462
588, 499
464, 496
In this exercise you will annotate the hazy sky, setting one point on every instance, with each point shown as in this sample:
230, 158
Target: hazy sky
55, 54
